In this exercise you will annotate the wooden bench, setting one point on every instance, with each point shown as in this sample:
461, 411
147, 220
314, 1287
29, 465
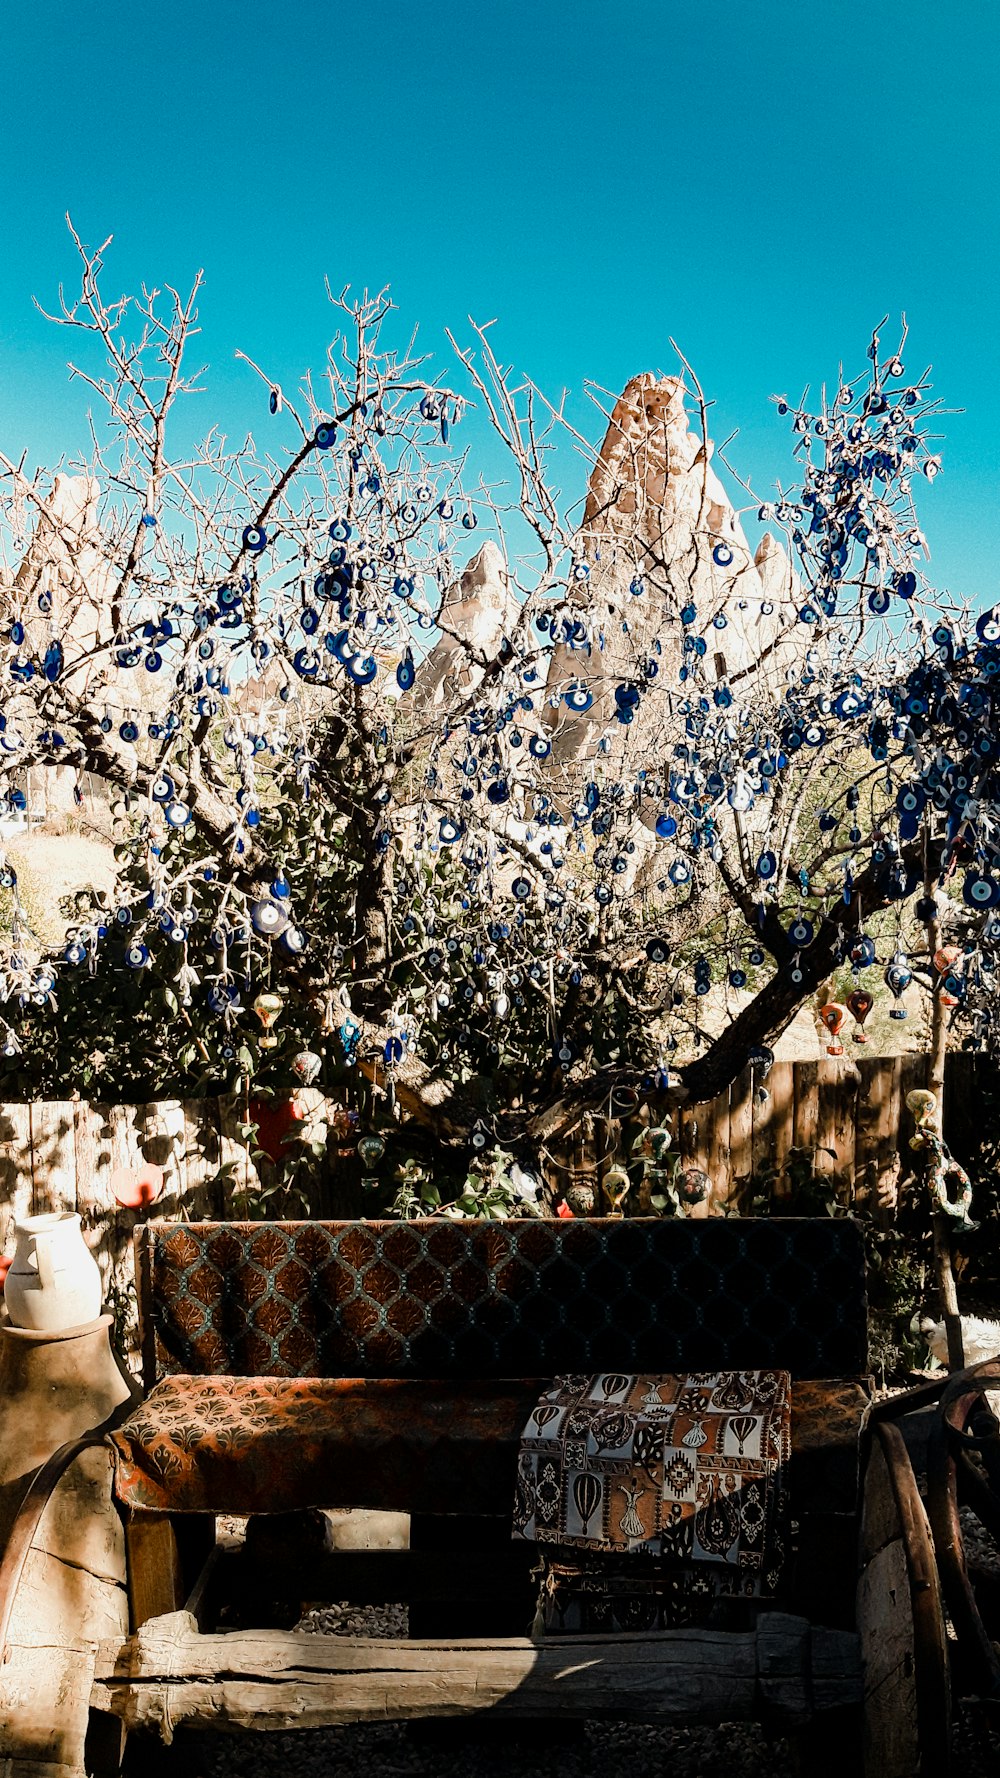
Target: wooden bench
300, 1366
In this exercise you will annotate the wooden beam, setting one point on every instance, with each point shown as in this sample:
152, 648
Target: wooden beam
167, 1674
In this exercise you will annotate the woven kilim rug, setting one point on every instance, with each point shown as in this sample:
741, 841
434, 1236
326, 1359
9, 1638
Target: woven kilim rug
655, 1495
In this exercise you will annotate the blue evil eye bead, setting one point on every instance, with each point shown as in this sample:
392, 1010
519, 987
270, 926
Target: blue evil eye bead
911, 800
162, 789
578, 698
539, 747
408, 513
361, 668
722, 555
129, 731
16, 634
153, 661
177, 814
688, 614
123, 916
767, 866
128, 657
325, 435
520, 889
137, 955
658, 950
446, 509
393, 1051
406, 672
206, 649
679, 872
603, 895
268, 918
469, 521
906, 584
879, 602
340, 647
309, 620
293, 940
52, 665
980, 890
801, 933
756, 956
931, 467
306, 663
228, 596
45, 603
814, 735
281, 889
637, 587
274, 400
720, 621
75, 952
737, 978
988, 627
254, 539
8, 877
448, 831
581, 571
666, 827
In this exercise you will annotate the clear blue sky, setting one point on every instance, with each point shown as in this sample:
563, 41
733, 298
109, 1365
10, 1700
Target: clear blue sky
761, 182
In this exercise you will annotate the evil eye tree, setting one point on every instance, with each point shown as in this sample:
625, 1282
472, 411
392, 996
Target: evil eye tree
472, 826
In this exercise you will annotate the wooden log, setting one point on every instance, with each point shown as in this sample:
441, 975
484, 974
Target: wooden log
167, 1675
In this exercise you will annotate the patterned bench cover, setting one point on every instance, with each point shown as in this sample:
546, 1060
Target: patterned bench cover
258, 1445
436, 1299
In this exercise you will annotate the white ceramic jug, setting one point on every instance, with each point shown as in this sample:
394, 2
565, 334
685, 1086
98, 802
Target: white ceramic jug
53, 1281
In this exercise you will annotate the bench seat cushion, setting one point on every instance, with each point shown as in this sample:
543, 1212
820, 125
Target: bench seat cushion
264, 1445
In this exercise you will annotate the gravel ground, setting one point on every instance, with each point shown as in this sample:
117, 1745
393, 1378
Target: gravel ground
483, 1750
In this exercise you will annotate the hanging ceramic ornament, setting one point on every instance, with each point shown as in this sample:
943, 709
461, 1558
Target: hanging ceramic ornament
898, 977
833, 1016
268, 1008
859, 1005
137, 1187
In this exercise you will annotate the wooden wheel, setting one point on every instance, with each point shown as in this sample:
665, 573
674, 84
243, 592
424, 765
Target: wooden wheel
907, 1703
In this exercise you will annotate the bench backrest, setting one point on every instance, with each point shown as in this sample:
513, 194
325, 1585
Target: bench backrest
501, 1299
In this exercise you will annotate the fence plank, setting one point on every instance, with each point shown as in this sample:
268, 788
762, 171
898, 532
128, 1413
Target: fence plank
205, 1197
53, 1155
714, 1145
837, 1088
805, 1105
781, 1086
242, 1177
877, 1154
740, 1140
163, 1143
15, 1170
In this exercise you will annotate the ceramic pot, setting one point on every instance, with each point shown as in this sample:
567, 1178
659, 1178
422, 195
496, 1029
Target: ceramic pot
53, 1281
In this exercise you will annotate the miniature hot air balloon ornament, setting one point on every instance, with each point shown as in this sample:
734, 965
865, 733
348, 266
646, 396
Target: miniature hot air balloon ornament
859, 1005
898, 977
833, 1016
945, 961
268, 1007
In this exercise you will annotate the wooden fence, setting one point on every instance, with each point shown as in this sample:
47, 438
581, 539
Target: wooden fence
61, 1154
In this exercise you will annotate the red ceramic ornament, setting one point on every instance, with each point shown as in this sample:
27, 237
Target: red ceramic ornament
859, 1005
833, 1016
274, 1118
137, 1187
